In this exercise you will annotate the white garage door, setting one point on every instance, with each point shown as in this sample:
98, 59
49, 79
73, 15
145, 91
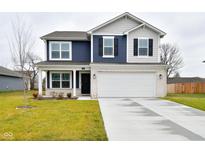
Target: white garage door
118, 84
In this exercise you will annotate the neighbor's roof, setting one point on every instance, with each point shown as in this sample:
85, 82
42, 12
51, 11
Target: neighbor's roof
185, 80
143, 23
66, 35
7, 72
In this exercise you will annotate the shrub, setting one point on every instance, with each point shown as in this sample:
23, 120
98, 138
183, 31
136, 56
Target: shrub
53, 94
35, 95
69, 95
60, 96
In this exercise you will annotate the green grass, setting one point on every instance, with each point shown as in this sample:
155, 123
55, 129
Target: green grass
194, 100
50, 120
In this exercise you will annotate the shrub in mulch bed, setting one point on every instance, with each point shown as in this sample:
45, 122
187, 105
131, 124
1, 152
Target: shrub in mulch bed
35, 95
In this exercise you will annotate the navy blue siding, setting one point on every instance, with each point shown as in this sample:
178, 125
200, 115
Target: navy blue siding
120, 58
48, 79
80, 51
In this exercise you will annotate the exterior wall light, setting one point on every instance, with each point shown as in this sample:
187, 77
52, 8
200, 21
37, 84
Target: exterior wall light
94, 76
160, 76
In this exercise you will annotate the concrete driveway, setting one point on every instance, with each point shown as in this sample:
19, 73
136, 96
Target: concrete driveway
151, 119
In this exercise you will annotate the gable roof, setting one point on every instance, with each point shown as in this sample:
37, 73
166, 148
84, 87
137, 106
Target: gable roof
66, 35
162, 33
7, 72
185, 80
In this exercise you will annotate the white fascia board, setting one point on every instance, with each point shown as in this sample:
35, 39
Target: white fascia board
126, 32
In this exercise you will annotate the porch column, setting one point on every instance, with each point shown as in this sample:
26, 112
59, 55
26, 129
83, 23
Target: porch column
74, 83
40, 82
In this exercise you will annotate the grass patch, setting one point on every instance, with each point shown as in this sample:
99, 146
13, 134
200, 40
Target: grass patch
194, 100
50, 120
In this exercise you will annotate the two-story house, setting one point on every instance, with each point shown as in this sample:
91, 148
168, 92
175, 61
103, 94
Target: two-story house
119, 58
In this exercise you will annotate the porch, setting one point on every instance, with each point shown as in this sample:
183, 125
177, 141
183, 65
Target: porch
64, 79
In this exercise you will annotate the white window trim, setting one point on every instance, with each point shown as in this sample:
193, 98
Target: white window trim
113, 52
71, 83
50, 54
146, 56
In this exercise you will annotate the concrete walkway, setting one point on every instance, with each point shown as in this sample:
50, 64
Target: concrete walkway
151, 119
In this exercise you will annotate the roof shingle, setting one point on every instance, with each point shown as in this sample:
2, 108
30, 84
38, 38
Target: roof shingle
7, 72
66, 35
185, 79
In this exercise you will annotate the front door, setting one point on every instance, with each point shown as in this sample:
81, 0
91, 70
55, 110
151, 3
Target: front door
85, 83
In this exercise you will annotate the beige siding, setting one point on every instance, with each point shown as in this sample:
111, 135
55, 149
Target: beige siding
117, 27
143, 32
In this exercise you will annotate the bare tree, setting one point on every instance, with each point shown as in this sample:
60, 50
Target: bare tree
31, 70
177, 75
21, 42
170, 55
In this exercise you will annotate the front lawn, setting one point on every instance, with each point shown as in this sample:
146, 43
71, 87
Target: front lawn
194, 100
50, 120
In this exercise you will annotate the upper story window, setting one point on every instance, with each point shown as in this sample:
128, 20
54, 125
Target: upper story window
108, 46
143, 46
60, 50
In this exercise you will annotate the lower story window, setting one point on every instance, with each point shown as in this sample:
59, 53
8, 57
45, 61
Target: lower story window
60, 80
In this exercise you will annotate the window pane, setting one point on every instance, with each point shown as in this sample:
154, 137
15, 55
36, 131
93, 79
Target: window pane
65, 84
142, 51
108, 42
108, 51
143, 43
55, 46
65, 76
65, 46
55, 76
55, 84
55, 54
65, 54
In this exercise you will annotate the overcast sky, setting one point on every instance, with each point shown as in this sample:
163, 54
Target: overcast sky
186, 30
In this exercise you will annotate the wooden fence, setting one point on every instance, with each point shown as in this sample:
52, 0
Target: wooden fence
186, 88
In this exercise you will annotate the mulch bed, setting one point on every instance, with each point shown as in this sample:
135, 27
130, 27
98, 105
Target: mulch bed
54, 98
26, 107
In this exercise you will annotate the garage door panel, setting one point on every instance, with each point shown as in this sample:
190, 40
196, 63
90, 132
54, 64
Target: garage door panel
118, 84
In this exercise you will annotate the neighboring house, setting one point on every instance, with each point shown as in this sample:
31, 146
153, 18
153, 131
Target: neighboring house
187, 85
10, 80
28, 76
119, 58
